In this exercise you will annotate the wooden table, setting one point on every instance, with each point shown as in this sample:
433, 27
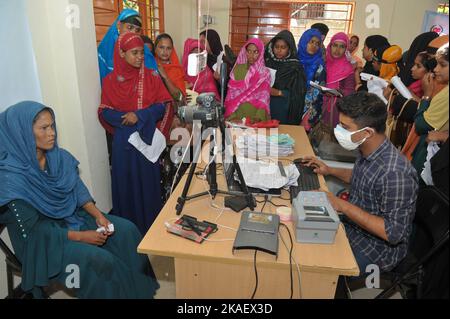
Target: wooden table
210, 270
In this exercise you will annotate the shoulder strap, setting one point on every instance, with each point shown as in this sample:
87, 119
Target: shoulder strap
390, 99
403, 107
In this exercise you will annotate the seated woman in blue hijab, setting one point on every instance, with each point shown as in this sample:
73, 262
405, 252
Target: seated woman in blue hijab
52, 220
129, 20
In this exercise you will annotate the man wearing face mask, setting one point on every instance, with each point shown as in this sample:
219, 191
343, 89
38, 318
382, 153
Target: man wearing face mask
379, 214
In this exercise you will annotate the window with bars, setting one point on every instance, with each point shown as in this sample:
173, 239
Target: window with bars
443, 8
152, 12
264, 19
337, 16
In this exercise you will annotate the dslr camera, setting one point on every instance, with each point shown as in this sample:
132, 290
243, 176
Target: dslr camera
207, 110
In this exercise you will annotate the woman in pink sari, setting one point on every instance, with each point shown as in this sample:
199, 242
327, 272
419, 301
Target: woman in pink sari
204, 82
249, 85
340, 76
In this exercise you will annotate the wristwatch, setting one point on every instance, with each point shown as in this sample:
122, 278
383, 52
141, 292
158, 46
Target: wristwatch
426, 98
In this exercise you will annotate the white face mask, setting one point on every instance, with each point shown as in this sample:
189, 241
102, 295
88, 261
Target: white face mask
344, 137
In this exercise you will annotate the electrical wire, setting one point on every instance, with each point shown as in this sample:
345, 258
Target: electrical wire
256, 275
292, 259
265, 202
181, 162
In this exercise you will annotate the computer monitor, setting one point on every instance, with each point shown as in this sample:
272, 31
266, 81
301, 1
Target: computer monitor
234, 185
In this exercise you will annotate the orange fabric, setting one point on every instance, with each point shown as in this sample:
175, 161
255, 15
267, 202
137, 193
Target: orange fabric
411, 143
174, 71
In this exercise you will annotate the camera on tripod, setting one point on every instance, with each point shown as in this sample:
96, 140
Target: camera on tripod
208, 110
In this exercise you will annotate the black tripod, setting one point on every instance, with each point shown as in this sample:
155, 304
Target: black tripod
212, 178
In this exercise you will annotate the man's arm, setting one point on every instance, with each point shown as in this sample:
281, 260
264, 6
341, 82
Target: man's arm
371, 223
344, 174
398, 198
321, 168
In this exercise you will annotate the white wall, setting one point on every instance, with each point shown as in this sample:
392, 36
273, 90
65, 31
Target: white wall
181, 16
68, 73
18, 76
57, 65
401, 20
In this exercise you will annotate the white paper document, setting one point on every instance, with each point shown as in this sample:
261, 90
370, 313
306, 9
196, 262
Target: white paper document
432, 149
216, 67
397, 82
273, 76
151, 152
375, 85
267, 175
258, 146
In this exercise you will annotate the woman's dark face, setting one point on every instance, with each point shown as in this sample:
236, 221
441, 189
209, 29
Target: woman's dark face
441, 70
164, 49
44, 131
252, 54
281, 49
354, 42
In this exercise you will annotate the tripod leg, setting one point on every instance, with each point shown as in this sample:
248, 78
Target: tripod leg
182, 199
212, 170
248, 196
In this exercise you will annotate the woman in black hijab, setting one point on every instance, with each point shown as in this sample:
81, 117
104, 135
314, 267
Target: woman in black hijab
288, 92
213, 46
419, 44
372, 43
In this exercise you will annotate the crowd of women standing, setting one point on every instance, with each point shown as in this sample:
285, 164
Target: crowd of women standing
141, 88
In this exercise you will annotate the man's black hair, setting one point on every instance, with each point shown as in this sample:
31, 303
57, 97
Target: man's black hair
323, 28
365, 109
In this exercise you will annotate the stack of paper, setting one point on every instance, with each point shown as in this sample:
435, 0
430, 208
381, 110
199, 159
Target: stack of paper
260, 146
375, 85
267, 175
397, 82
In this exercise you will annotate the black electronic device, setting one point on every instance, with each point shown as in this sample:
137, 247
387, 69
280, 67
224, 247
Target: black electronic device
235, 186
189, 227
210, 113
258, 231
332, 151
307, 181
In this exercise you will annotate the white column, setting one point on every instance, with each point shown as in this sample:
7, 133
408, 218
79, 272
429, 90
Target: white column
63, 36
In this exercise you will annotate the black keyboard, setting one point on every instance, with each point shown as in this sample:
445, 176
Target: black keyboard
308, 180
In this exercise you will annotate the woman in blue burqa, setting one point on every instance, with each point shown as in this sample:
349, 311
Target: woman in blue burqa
52, 219
129, 20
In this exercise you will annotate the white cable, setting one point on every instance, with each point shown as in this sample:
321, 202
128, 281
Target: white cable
181, 162
219, 240
230, 228
296, 264
218, 216
348, 288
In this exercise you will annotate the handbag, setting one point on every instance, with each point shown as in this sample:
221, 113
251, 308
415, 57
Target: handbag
323, 131
397, 130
